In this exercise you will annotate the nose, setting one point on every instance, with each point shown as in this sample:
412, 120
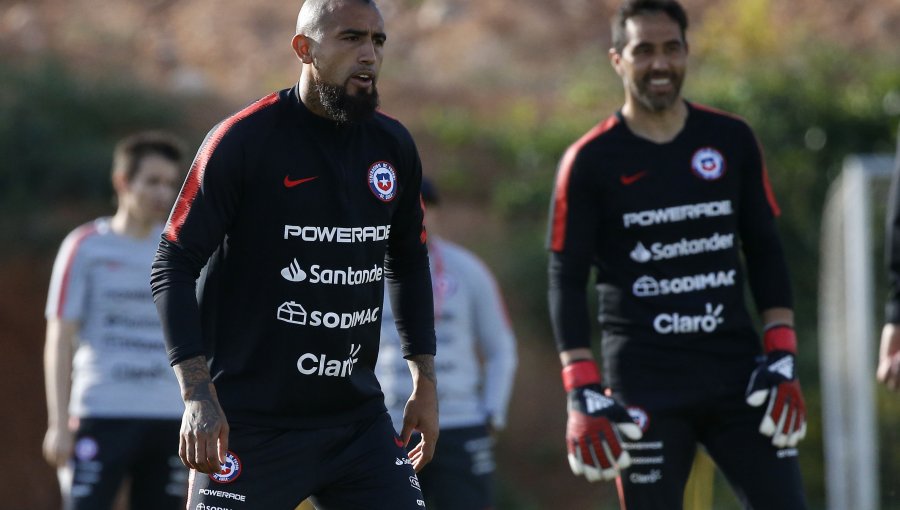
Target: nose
367, 53
660, 62
166, 193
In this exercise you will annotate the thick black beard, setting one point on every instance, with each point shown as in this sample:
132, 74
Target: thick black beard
346, 108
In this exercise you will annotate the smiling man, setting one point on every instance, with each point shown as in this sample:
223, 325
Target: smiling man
276, 361
669, 202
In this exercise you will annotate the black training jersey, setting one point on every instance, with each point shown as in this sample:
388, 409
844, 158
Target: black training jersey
664, 225
301, 220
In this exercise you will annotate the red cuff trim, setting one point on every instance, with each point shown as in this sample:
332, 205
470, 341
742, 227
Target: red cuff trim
780, 338
580, 373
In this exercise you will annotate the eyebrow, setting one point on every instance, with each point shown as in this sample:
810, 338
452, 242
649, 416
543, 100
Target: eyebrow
663, 43
362, 33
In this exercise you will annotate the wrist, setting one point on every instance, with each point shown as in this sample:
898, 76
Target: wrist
58, 425
780, 337
580, 373
421, 369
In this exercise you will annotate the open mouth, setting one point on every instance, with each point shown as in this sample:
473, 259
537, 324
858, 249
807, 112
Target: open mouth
660, 84
660, 80
363, 79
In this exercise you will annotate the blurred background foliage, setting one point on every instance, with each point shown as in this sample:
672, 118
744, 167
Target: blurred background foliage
56, 133
811, 100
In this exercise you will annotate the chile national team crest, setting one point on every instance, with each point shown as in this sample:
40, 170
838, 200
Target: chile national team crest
640, 417
231, 469
708, 164
383, 181
86, 448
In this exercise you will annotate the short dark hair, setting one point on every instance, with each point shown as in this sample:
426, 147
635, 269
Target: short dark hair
429, 192
631, 8
131, 150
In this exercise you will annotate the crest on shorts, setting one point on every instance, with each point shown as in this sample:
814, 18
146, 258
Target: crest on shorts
708, 164
640, 417
383, 181
86, 448
231, 469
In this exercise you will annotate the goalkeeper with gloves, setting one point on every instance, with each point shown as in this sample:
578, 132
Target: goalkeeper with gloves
669, 204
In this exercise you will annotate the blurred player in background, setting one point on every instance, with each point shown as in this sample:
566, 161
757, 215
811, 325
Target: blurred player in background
113, 404
888, 371
662, 200
476, 368
299, 209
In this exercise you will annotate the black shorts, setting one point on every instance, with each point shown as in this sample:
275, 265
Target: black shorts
362, 466
763, 476
107, 450
461, 474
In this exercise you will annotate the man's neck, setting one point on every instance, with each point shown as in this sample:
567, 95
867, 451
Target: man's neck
656, 126
128, 225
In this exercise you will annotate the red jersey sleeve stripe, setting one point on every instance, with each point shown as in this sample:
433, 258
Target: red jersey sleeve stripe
496, 285
423, 235
717, 111
561, 191
198, 167
767, 185
68, 254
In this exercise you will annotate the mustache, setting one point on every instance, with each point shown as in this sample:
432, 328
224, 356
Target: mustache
661, 74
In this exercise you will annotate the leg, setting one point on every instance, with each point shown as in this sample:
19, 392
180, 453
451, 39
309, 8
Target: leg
159, 479
660, 461
763, 476
98, 464
369, 471
461, 474
698, 494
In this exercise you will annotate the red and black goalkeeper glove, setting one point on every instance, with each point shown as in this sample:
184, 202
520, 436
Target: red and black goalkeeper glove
775, 379
595, 423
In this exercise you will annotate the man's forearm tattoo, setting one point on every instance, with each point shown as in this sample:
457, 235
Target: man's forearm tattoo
194, 377
425, 365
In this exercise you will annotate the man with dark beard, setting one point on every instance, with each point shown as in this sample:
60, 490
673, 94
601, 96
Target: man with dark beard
662, 199
297, 208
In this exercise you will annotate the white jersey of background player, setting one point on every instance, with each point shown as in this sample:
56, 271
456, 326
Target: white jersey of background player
475, 362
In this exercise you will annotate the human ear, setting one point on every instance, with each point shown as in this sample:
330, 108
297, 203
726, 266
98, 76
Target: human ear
301, 45
119, 182
615, 59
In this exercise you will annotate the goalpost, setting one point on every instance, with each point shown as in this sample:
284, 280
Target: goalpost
848, 332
